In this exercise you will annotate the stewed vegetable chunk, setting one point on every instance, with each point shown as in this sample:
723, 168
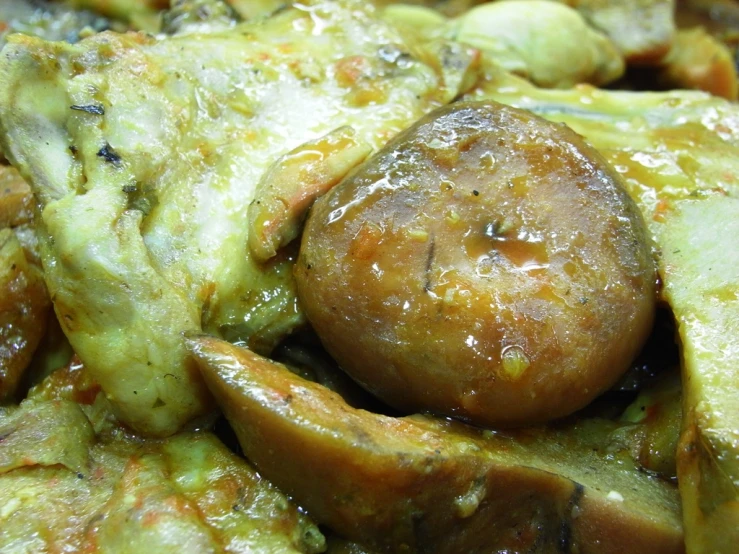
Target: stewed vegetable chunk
486, 264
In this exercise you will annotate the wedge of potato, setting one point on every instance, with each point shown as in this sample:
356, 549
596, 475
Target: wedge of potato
419, 484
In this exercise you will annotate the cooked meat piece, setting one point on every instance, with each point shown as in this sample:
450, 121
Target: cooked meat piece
145, 154
140, 14
47, 20
66, 489
700, 269
642, 30
679, 154
549, 44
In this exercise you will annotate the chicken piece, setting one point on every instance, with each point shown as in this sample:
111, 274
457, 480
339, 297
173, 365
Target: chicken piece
699, 61
415, 19
47, 20
155, 149
527, 38
679, 154
667, 146
72, 382
198, 16
486, 264
69, 382
419, 484
45, 434
113, 491
700, 268
290, 186
24, 305
643, 30
190, 494
524, 38
253, 9
450, 8
139, 14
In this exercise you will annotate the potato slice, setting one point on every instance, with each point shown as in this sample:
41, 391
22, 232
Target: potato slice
419, 484
700, 267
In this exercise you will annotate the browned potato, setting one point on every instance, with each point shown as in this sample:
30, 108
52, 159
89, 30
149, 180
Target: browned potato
699, 61
16, 198
486, 264
422, 484
24, 306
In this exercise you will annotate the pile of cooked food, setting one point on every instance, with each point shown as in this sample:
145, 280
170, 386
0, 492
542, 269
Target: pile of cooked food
358, 277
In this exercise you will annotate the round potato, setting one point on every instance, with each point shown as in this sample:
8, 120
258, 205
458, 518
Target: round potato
486, 264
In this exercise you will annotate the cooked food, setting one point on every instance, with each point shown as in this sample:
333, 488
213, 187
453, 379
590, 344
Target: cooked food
701, 279
251, 9
526, 38
16, 211
24, 302
171, 169
420, 484
643, 30
52, 21
152, 162
678, 152
657, 411
290, 186
144, 14
486, 264
24, 305
16, 199
67, 486
667, 146
698, 60
141, 14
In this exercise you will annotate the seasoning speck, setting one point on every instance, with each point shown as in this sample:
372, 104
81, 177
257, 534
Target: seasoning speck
109, 155
95, 109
